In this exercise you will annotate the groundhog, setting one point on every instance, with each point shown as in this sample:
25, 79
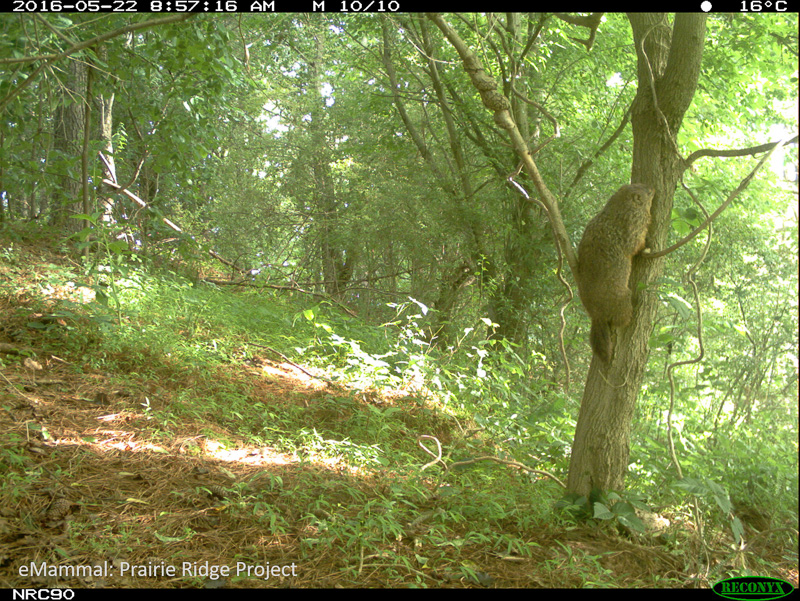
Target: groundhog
610, 241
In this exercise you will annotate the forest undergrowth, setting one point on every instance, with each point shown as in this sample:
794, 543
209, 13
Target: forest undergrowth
160, 431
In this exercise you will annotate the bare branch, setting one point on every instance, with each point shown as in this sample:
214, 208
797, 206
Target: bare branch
739, 189
738, 152
501, 107
589, 162
592, 22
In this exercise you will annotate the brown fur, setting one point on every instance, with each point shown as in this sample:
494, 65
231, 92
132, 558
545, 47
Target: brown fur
610, 241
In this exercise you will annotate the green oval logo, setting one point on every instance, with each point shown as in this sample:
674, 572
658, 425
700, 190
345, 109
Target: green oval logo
752, 587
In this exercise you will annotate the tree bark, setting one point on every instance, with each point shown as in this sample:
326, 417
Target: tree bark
105, 104
509, 305
669, 62
67, 139
338, 257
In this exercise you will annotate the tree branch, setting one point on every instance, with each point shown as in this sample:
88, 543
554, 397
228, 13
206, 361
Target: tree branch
738, 152
591, 22
589, 162
51, 58
739, 189
501, 107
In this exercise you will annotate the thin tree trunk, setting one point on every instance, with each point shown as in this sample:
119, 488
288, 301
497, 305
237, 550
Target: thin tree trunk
105, 102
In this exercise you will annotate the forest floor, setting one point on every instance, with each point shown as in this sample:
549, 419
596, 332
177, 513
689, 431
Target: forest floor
107, 483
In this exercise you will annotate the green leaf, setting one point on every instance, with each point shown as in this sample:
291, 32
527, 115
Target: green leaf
737, 528
83, 235
85, 217
118, 247
680, 305
173, 539
101, 297
692, 486
631, 521
601, 512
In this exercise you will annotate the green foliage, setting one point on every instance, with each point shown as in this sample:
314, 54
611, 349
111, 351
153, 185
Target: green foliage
621, 510
706, 488
605, 507
280, 145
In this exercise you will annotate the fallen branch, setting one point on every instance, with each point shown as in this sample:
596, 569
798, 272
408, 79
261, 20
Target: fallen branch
143, 204
293, 364
437, 458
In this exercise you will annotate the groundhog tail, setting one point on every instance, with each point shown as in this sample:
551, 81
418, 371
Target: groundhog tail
600, 338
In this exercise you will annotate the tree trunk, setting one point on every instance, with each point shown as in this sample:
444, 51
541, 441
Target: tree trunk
509, 306
670, 66
67, 139
338, 257
451, 282
105, 103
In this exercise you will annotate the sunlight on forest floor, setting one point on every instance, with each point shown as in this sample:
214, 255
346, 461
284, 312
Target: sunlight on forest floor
113, 470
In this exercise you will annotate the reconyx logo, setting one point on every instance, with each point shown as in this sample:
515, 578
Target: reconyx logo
753, 587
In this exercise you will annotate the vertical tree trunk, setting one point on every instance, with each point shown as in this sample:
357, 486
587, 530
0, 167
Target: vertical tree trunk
509, 306
338, 257
67, 140
670, 67
105, 102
